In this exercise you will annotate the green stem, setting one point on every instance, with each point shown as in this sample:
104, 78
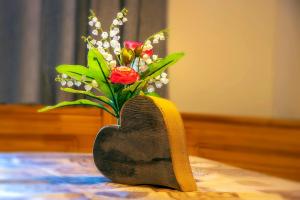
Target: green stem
111, 92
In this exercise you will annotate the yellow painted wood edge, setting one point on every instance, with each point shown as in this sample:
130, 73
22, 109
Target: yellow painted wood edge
176, 136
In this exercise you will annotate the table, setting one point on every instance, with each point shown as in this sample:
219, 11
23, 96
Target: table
74, 176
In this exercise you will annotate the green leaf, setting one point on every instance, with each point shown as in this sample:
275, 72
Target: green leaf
99, 69
157, 68
75, 71
84, 102
90, 94
154, 70
154, 94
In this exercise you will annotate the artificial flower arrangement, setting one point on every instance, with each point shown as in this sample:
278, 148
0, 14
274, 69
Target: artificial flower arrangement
147, 146
115, 73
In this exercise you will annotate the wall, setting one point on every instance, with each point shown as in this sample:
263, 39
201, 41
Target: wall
230, 62
287, 61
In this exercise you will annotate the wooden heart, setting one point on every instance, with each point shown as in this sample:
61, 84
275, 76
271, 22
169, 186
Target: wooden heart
147, 148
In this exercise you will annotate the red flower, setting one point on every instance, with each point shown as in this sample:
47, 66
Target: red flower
148, 52
137, 48
132, 44
124, 75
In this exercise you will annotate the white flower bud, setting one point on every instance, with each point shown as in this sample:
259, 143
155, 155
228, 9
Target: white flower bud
161, 36
77, 83
156, 37
88, 87
64, 76
149, 61
120, 23
98, 25
112, 63
70, 83
99, 43
117, 37
104, 35
105, 45
155, 41
117, 50
154, 57
125, 19
164, 80
91, 23
158, 84
150, 88
116, 22
114, 43
63, 82
164, 75
95, 32
145, 56
119, 15
158, 77
102, 51
95, 19
147, 46
109, 57
112, 33
147, 42
94, 83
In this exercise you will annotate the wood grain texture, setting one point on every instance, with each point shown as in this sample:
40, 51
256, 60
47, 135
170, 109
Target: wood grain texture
147, 147
68, 129
265, 145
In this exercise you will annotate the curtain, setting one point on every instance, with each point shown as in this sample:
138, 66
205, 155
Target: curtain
37, 35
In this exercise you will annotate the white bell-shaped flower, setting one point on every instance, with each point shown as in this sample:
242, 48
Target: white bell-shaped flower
113, 63
70, 83
120, 15
164, 80
95, 32
115, 22
104, 35
78, 83
158, 84
63, 83
154, 57
164, 75
150, 88
87, 87
64, 76
98, 25
91, 23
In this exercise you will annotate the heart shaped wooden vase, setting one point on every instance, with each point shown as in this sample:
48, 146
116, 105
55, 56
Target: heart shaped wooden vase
147, 148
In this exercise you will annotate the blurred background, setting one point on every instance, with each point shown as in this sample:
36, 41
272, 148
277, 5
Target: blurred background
242, 57
237, 87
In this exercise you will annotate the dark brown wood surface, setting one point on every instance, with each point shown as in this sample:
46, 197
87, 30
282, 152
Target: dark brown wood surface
137, 152
266, 145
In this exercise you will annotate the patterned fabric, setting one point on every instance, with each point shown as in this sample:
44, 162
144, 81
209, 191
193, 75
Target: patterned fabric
74, 176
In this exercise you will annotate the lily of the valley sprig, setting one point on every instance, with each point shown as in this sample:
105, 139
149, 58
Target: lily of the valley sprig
115, 72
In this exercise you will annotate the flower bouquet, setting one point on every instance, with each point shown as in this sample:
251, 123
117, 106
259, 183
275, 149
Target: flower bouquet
115, 73
121, 80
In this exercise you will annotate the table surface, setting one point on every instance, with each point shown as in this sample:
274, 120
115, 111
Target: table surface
74, 176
